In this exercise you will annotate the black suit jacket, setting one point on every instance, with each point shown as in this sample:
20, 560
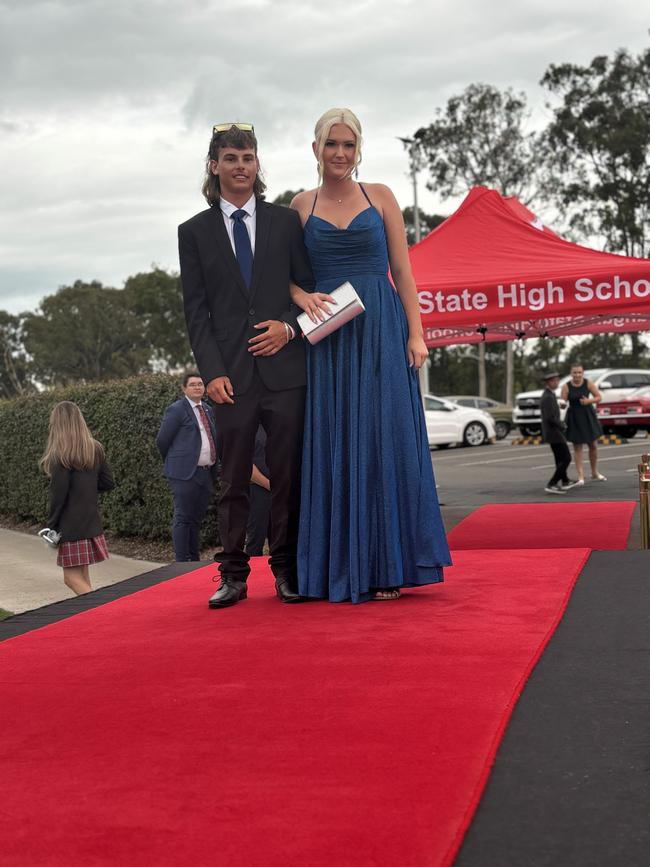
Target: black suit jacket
74, 510
219, 309
552, 427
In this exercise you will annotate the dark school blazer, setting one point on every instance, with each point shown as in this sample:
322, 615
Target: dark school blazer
220, 311
74, 507
179, 439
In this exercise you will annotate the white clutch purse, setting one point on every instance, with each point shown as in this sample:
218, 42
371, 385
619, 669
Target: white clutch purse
348, 305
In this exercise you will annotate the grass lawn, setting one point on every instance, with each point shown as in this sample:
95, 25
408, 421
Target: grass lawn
4, 614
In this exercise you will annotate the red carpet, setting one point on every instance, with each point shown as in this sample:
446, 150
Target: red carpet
600, 526
152, 731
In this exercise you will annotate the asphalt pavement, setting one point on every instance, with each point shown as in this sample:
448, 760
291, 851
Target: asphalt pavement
505, 473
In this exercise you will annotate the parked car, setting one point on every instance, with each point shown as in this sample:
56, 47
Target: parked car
501, 412
613, 383
627, 416
448, 423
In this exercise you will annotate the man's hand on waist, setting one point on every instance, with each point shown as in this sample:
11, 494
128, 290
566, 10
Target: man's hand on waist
276, 336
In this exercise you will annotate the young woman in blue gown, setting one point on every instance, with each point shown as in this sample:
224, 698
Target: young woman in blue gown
370, 521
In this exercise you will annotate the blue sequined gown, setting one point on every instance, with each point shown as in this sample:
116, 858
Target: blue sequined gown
369, 514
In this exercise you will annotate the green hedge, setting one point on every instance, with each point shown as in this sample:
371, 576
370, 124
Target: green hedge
124, 416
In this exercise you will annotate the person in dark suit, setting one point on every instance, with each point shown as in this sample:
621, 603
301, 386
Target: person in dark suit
238, 259
187, 442
553, 434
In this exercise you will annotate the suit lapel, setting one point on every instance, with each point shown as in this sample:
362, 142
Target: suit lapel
262, 231
189, 409
225, 248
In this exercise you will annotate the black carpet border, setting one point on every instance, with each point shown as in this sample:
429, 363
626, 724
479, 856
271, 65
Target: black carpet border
26, 621
570, 786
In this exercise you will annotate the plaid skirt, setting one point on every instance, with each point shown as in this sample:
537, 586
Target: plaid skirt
82, 553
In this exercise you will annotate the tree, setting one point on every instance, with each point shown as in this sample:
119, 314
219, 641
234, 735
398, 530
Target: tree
600, 148
600, 350
600, 154
428, 223
156, 299
14, 378
84, 332
481, 139
533, 357
453, 370
287, 197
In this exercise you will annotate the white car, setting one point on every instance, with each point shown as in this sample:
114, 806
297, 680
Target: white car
449, 423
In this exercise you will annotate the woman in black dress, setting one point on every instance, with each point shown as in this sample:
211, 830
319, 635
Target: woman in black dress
78, 471
582, 422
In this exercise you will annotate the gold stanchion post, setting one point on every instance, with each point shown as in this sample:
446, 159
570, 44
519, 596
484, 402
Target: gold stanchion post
644, 500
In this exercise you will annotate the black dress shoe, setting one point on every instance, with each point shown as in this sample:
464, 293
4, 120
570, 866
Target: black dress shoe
229, 593
284, 591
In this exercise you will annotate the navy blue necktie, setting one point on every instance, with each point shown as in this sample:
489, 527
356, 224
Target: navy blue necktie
243, 249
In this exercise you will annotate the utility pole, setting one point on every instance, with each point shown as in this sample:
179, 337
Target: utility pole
415, 164
510, 371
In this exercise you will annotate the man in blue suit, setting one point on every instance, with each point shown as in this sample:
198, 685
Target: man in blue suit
187, 441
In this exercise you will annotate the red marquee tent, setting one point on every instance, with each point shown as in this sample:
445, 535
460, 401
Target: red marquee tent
493, 271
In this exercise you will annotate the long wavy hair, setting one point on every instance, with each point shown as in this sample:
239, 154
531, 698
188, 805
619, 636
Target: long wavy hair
69, 441
241, 140
322, 131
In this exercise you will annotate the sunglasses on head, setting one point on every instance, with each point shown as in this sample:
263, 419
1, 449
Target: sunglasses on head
224, 127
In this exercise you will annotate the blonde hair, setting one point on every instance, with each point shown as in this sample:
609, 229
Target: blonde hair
69, 441
323, 128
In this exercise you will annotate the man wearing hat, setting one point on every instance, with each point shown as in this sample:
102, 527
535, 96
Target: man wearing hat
553, 434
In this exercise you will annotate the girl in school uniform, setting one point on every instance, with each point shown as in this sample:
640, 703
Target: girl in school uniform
76, 465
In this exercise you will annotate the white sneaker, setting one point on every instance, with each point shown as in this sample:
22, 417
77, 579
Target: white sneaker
566, 486
599, 477
554, 489
578, 482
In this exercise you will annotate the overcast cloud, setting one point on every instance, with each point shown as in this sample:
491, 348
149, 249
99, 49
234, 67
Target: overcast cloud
106, 107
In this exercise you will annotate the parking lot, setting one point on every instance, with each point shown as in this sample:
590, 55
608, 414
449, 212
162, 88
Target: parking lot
505, 473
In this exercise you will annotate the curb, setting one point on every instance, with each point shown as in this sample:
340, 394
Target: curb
610, 440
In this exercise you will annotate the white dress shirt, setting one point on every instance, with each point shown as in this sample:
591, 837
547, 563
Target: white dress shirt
205, 459
250, 220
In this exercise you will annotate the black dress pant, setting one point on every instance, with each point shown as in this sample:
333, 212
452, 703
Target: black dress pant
257, 530
281, 414
562, 457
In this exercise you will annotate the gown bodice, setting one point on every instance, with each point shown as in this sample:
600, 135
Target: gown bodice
358, 249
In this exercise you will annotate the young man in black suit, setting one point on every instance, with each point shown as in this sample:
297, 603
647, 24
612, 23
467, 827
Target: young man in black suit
237, 260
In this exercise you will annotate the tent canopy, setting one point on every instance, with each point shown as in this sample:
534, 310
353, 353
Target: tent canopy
493, 271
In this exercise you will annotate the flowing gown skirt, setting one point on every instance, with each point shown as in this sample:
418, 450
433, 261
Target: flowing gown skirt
369, 513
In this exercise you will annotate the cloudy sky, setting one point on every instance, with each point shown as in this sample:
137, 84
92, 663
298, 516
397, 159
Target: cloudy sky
106, 106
